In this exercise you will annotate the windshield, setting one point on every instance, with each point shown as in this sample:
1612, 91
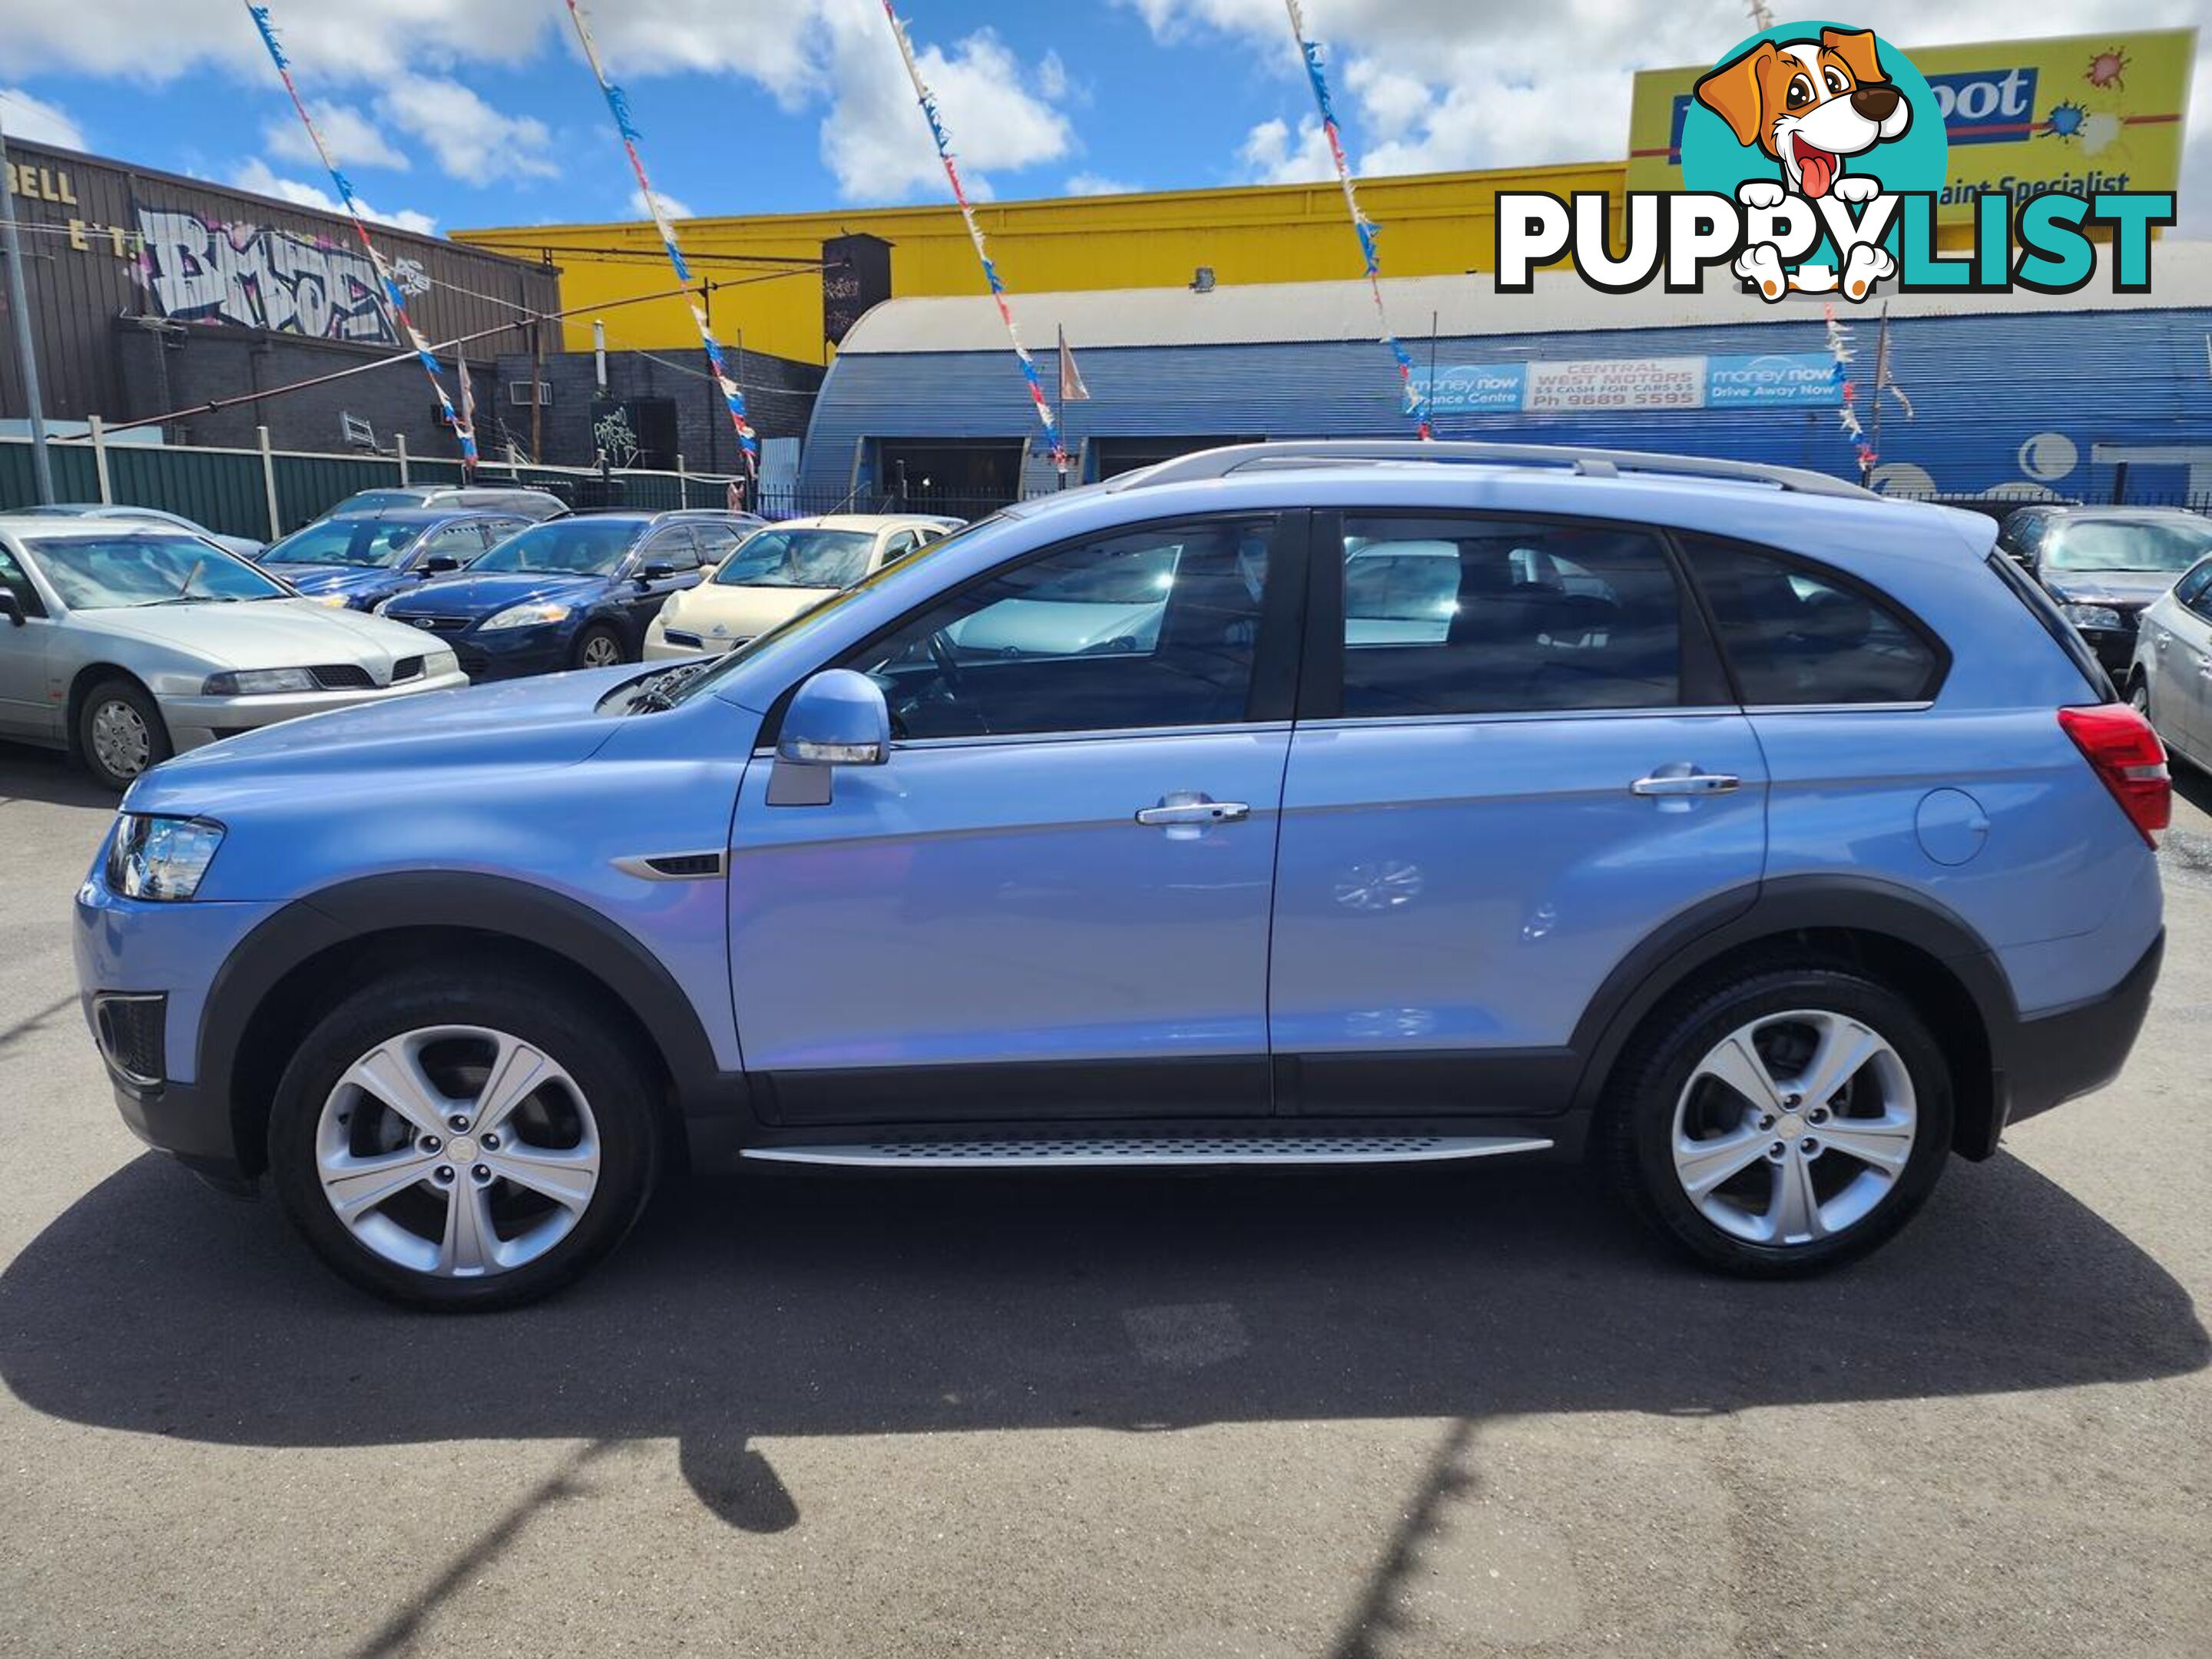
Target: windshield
100, 572
813, 618
365, 543
797, 558
2159, 544
567, 547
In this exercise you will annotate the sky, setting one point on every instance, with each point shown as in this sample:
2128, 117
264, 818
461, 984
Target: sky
455, 113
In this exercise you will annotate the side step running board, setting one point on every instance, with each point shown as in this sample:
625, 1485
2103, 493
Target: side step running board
1097, 1152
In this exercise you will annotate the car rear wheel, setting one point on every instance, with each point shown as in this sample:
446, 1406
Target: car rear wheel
1781, 1122
120, 733
598, 647
450, 1144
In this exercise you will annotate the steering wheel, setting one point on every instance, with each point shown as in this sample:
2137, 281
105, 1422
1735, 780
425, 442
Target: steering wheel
947, 658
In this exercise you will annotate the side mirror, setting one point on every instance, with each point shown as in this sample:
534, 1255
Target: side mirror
12, 609
656, 572
838, 718
439, 563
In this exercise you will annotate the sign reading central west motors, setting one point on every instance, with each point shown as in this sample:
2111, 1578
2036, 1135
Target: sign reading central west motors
2077, 114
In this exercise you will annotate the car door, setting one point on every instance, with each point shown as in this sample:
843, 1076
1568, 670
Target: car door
1515, 762
1052, 901
26, 707
2180, 680
641, 596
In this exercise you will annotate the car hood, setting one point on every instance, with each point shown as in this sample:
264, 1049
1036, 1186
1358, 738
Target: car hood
464, 595
550, 720
333, 578
263, 634
722, 615
2126, 588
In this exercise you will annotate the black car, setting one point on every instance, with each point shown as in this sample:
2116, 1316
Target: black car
2104, 564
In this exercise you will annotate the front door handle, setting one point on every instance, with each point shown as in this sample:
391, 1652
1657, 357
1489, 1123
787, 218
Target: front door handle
1180, 808
1669, 781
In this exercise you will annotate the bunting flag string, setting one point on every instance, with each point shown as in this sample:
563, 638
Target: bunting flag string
618, 106
1370, 253
464, 429
1839, 349
928, 101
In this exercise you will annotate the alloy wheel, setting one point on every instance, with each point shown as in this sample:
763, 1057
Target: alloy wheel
458, 1151
1795, 1127
601, 651
121, 741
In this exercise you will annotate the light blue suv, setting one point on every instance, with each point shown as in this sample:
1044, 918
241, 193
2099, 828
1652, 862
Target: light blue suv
1761, 841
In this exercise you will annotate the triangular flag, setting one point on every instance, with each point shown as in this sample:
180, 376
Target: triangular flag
1072, 389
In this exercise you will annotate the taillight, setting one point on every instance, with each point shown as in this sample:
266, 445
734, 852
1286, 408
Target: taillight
2129, 759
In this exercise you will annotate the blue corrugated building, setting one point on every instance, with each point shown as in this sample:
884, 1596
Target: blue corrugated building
2081, 396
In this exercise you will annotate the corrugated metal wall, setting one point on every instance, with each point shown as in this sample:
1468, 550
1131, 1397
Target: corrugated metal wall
2000, 402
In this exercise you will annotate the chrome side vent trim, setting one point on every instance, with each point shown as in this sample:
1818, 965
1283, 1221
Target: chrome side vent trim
1139, 1152
674, 867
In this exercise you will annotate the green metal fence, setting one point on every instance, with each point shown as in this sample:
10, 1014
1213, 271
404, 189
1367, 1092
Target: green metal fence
231, 490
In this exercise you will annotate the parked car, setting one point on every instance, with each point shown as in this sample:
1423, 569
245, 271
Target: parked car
1792, 849
2104, 564
780, 571
361, 562
575, 592
2170, 682
532, 504
125, 643
245, 546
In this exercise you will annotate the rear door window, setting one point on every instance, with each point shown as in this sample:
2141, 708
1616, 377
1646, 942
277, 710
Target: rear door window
1798, 635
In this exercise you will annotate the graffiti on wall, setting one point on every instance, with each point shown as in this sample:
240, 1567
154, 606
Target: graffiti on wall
202, 270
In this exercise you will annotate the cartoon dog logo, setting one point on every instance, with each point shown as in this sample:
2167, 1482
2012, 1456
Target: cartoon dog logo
1810, 105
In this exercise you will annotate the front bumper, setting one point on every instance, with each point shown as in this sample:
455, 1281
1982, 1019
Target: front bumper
507, 653
196, 720
2115, 648
658, 647
2061, 1056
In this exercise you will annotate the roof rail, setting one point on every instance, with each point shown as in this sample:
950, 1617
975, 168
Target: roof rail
1589, 462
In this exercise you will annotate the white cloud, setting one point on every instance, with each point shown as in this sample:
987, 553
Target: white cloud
469, 140
875, 140
1096, 183
674, 208
35, 121
354, 137
257, 176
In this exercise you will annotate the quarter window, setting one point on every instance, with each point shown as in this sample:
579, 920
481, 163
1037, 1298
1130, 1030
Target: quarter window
1794, 635
1151, 629
1470, 616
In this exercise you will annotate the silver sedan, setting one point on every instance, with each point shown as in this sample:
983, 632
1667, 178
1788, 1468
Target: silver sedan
125, 643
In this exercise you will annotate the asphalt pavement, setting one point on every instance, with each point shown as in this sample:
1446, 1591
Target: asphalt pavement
1376, 1413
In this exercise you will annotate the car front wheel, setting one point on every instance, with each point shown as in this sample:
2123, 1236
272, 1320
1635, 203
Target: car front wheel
1781, 1122
120, 733
600, 646
452, 1143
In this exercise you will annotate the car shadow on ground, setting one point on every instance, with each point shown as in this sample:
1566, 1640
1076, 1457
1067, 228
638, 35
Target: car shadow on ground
46, 774
787, 1302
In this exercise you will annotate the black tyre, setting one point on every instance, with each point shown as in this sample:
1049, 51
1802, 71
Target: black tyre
1781, 1122
120, 733
451, 1140
601, 646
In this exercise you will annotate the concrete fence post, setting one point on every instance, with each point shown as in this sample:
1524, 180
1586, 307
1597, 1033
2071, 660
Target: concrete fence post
99, 457
269, 482
400, 448
682, 483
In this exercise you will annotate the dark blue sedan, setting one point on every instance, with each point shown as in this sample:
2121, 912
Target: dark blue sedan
573, 592
363, 562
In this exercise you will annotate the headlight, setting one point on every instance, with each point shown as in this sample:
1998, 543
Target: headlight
527, 616
160, 858
439, 662
336, 601
2092, 616
250, 682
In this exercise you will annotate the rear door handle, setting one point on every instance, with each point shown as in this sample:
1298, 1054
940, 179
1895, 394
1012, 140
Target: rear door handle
1183, 810
1687, 783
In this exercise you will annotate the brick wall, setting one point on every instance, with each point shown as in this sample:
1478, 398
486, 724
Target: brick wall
779, 399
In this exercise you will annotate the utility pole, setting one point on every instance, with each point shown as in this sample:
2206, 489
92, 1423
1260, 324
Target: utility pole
42, 471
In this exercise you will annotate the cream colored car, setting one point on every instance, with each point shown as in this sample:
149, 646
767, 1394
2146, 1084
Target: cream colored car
778, 572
